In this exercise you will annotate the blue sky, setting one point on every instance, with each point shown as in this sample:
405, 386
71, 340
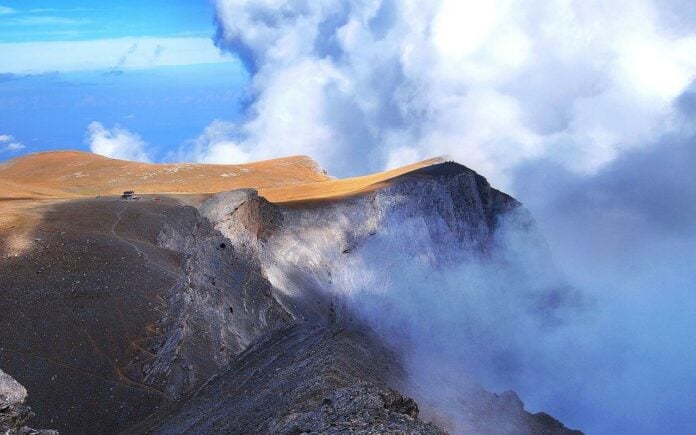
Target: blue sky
144, 66
37, 20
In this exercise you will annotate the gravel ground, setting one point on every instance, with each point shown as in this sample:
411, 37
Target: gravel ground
79, 309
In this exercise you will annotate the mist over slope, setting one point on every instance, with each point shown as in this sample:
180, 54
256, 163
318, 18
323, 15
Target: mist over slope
450, 272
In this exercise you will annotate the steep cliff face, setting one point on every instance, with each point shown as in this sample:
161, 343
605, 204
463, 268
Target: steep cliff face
429, 217
220, 304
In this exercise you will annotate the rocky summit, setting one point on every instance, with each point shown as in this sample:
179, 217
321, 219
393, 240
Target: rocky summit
227, 299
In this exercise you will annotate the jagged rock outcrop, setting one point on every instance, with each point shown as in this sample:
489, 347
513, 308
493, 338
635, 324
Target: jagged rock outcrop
13, 410
437, 214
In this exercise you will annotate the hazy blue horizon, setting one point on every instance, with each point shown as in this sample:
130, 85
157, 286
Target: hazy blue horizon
148, 67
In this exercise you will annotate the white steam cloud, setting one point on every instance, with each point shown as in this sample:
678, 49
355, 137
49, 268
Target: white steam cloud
367, 84
118, 143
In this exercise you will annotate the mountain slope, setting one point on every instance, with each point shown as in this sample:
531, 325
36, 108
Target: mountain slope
70, 174
200, 313
338, 387
67, 174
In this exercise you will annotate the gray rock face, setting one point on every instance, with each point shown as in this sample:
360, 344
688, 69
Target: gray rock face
338, 248
300, 378
13, 411
220, 305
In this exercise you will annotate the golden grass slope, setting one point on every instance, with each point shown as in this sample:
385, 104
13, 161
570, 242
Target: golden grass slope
339, 188
69, 174
74, 174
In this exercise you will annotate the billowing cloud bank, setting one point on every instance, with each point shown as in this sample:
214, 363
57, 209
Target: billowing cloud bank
582, 109
366, 84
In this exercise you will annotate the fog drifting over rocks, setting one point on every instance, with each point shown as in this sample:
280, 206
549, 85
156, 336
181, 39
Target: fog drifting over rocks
580, 109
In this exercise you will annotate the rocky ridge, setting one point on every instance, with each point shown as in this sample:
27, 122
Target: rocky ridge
307, 255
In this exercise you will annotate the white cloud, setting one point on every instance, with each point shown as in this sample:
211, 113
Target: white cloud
215, 145
14, 146
8, 143
128, 53
116, 143
288, 121
4, 10
356, 84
